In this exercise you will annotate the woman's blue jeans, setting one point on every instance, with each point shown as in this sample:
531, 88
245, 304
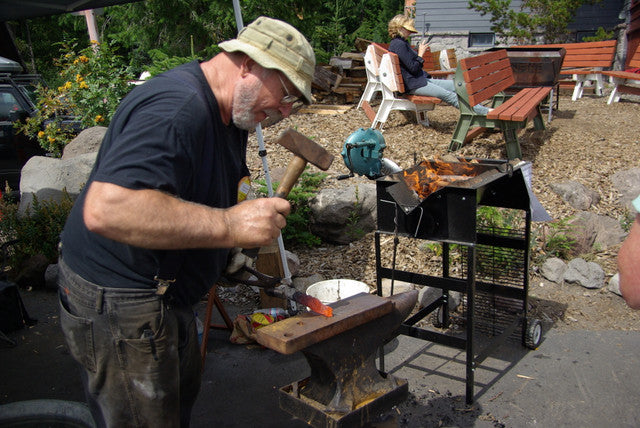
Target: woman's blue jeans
444, 89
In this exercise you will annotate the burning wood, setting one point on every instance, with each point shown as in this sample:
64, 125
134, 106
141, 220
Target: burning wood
432, 175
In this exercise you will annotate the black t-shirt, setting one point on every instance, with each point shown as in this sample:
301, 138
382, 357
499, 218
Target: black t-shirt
156, 140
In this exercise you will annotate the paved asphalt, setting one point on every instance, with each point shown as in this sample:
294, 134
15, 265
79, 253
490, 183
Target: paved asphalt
574, 379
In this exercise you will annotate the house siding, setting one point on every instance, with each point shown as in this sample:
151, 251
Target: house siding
454, 16
449, 23
605, 14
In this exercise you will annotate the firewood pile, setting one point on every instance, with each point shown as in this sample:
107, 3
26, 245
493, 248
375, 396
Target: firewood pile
342, 80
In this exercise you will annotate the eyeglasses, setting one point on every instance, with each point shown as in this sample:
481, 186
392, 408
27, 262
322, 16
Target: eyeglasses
288, 98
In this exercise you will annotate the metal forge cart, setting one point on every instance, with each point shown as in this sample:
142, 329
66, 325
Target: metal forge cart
488, 265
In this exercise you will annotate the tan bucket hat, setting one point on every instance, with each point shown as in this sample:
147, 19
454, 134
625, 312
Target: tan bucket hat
276, 44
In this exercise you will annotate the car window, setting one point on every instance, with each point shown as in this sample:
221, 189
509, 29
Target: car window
8, 104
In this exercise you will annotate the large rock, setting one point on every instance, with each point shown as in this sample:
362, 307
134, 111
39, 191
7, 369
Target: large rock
583, 273
596, 230
88, 141
398, 287
427, 295
553, 269
47, 177
627, 182
576, 194
614, 284
344, 215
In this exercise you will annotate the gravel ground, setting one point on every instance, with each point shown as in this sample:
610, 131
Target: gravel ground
587, 141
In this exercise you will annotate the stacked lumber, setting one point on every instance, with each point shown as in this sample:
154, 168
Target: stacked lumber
344, 76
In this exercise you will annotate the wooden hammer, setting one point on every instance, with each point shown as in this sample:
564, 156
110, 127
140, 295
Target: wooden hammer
304, 150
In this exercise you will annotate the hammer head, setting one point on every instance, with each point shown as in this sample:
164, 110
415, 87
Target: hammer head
305, 148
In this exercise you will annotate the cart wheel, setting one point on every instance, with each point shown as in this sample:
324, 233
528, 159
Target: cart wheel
438, 319
533, 333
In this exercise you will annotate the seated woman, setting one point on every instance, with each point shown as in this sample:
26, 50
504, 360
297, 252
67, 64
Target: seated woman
416, 80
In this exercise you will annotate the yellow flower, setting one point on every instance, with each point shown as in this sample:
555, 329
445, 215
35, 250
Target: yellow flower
40, 134
99, 118
95, 42
67, 85
51, 139
79, 78
83, 85
83, 58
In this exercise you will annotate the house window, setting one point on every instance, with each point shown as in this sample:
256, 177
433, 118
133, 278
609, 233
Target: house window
580, 35
481, 39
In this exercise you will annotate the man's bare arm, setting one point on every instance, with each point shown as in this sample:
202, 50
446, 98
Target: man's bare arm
153, 219
629, 266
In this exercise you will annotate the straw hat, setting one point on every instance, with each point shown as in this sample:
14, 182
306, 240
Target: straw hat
409, 25
277, 45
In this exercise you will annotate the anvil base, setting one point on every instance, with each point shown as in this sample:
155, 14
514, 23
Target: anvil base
316, 415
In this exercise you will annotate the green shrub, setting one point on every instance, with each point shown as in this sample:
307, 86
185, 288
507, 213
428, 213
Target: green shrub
37, 230
560, 240
93, 81
353, 230
627, 219
601, 35
163, 62
297, 231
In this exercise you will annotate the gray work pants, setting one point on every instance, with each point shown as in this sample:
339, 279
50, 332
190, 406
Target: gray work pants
140, 355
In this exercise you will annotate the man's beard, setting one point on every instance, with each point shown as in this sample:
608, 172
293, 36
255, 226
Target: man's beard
244, 100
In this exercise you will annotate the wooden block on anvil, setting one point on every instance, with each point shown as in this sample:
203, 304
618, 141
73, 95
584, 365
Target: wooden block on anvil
269, 263
296, 333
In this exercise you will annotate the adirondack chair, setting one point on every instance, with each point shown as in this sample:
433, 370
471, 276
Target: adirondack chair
392, 94
372, 58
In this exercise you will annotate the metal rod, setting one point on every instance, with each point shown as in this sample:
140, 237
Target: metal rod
265, 166
471, 291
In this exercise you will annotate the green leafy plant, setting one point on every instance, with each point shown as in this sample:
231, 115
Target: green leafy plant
627, 220
163, 62
559, 241
497, 261
37, 230
353, 230
297, 230
601, 34
498, 220
432, 248
94, 80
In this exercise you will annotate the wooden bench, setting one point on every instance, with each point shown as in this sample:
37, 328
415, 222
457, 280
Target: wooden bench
393, 97
623, 80
584, 62
432, 66
485, 77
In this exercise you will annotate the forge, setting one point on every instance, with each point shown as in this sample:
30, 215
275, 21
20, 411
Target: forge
441, 202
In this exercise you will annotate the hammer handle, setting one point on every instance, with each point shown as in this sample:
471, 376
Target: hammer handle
291, 175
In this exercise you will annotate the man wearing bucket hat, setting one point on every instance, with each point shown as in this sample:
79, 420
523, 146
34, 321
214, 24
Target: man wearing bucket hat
151, 232
416, 80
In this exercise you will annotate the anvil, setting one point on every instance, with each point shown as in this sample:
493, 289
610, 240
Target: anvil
345, 388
